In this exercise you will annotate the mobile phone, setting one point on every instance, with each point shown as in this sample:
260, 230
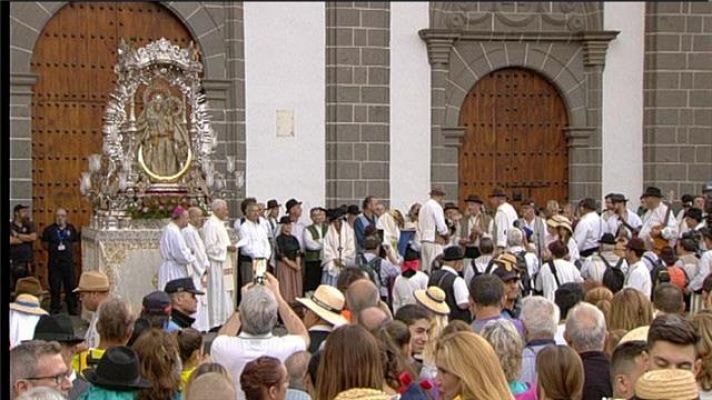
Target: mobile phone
259, 267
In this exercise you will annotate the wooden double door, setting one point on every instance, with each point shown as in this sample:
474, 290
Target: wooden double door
514, 138
74, 59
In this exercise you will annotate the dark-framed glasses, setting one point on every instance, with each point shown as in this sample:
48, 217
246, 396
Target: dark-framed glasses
57, 379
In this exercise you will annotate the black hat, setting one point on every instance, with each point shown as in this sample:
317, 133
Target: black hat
607, 238
157, 303
353, 210
452, 253
652, 191
291, 203
437, 192
181, 285
285, 220
56, 327
473, 198
334, 214
618, 198
410, 254
497, 192
272, 204
118, 369
19, 207
694, 213
450, 206
687, 198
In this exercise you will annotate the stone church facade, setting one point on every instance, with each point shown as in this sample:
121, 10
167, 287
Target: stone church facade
376, 91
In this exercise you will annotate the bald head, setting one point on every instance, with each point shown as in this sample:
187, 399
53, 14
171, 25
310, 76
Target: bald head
585, 328
360, 295
372, 318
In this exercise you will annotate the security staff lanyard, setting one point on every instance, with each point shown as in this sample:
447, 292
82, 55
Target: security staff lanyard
62, 235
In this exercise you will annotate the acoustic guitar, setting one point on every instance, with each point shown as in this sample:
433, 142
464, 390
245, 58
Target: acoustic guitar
658, 241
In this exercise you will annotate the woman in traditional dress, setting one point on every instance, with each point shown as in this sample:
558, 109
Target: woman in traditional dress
289, 267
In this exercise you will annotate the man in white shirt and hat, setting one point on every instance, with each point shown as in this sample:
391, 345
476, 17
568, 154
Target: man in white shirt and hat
623, 222
433, 229
93, 289
638, 276
659, 225
176, 255
220, 271
323, 314
504, 218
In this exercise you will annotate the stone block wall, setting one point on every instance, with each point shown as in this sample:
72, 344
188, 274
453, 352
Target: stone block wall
357, 101
677, 141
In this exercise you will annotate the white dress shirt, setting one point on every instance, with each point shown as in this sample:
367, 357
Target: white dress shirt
705, 267
639, 278
254, 240
504, 219
588, 230
431, 219
656, 217
403, 289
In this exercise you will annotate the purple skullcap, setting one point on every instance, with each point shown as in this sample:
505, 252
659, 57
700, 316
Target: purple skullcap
177, 212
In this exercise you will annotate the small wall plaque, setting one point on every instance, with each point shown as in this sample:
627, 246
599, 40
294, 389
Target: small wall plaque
285, 123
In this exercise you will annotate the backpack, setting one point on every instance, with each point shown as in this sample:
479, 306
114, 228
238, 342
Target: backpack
613, 276
524, 271
372, 268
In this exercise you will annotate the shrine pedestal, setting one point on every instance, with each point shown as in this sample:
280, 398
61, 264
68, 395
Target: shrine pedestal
129, 257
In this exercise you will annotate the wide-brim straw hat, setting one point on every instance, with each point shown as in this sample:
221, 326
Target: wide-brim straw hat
433, 299
667, 384
28, 304
327, 302
362, 394
560, 221
638, 334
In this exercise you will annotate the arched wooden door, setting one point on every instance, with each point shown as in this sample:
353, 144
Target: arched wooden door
74, 59
514, 138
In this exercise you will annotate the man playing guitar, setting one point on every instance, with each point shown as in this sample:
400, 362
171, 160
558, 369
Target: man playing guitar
659, 225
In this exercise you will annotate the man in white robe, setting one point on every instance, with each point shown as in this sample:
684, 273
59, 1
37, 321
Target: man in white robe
198, 270
220, 276
175, 252
339, 247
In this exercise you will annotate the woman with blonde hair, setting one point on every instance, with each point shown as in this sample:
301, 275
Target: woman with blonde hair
468, 369
702, 321
508, 345
559, 374
630, 309
351, 359
600, 297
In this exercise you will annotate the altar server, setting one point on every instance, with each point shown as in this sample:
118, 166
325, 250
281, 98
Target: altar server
220, 277
175, 252
198, 270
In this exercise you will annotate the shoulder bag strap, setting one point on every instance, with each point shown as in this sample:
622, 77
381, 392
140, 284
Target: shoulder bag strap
552, 268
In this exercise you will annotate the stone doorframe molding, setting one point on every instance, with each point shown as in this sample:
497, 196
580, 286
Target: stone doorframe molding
27, 21
572, 61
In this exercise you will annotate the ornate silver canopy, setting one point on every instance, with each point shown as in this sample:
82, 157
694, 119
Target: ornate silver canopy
157, 140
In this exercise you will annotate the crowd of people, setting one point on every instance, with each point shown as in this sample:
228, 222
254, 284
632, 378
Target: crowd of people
484, 303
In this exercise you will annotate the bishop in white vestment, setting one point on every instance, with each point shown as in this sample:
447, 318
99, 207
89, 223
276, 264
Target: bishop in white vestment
217, 244
198, 269
174, 251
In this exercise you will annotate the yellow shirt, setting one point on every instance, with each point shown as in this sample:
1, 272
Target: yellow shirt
81, 361
184, 376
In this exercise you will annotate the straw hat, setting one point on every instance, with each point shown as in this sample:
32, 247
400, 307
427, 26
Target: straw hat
327, 302
433, 299
362, 394
93, 281
562, 221
638, 334
667, 384
29, 285
28, 304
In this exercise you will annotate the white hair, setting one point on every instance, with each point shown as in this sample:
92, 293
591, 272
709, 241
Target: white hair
515, 237
540, 317
586, 328
217, 203
258, 311
41, 393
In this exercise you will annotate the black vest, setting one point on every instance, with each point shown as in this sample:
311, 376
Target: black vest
445, 280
